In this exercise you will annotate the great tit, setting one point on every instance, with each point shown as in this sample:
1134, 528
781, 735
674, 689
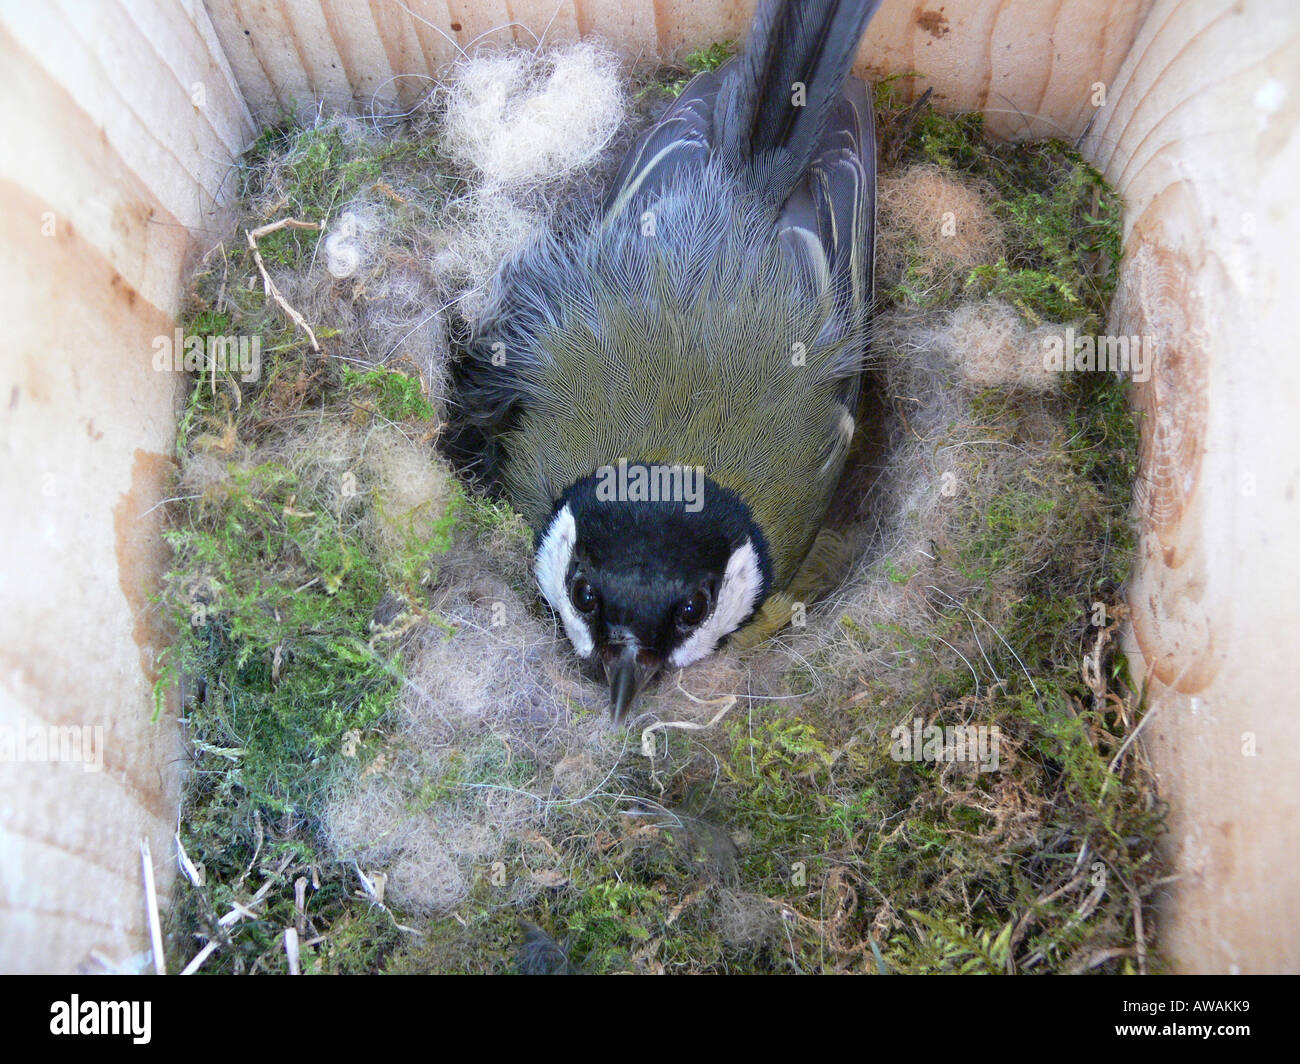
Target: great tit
667, 394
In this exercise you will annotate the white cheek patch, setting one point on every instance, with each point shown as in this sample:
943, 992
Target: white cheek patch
741, 583
553, 558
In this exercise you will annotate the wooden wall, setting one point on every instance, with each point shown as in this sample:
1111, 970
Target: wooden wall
1028, 64
1200, 134
120, 123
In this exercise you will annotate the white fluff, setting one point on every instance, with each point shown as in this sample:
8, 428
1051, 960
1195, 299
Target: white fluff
741, 583
518, 117
528, 131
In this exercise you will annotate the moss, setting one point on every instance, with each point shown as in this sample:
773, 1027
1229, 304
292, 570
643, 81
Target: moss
284, 578
310, 172
276, 594
697, 62
398, 396
1063, 223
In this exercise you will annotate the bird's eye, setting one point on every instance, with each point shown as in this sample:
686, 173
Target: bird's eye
693, 610
584, 596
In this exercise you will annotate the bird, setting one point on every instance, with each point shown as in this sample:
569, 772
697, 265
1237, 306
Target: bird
667, 392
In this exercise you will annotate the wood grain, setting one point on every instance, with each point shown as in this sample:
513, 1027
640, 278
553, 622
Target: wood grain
122, 122
1029, 65
1201, 136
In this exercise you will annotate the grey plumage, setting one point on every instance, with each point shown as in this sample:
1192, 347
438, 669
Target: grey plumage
809, 43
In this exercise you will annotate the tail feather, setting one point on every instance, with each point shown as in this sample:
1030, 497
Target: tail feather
796, 60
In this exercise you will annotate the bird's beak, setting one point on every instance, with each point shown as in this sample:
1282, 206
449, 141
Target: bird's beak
627, 673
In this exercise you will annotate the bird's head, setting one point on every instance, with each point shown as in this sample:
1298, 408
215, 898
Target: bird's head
650, 567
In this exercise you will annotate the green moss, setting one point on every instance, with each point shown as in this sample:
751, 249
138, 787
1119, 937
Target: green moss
309, 173
698, 62
1063, 223
288, 588
399, 397
274, 596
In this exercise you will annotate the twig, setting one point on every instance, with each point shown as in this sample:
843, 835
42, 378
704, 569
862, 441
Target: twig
1131, 736
1139, 932
375, 892
300, 901
240, 911
151, 902
1099, 958
291, 950
200, 957
187, 866
268, 286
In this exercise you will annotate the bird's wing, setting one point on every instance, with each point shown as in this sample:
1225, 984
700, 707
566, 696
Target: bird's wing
827, 226
682, 138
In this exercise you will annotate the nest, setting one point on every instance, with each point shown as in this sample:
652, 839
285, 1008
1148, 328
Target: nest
388, 722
